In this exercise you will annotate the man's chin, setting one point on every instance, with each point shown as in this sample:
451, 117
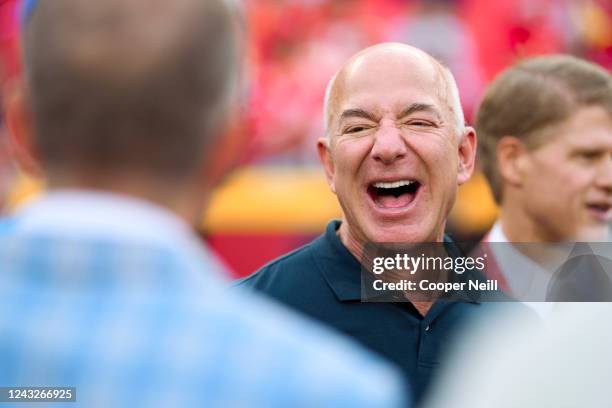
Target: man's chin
402, 234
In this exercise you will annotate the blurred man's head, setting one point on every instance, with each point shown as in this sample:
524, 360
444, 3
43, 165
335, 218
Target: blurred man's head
396, 146
121, 89
545, 127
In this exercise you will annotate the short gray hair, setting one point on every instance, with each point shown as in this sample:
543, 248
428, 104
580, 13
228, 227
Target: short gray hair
117, 86
529, 97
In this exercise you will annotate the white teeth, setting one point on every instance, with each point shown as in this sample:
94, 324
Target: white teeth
393, 184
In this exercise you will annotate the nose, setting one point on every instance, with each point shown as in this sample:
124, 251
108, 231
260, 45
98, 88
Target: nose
389, 145
603, 179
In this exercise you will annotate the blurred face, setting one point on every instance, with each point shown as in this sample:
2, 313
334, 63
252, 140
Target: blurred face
393, 158
568, 180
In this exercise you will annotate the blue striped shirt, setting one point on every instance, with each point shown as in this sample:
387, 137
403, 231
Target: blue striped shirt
136, 323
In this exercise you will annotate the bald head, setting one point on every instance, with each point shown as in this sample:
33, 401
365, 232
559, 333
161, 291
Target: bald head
128, 85
378, 59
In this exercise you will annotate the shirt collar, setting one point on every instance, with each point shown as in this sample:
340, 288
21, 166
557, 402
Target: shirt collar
338, 266
95, 214
496, 234
518, 269
342, 271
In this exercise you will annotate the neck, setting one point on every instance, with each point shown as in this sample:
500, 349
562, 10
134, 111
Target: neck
177, 198
517, 226
355, 247
352, 243
355, 244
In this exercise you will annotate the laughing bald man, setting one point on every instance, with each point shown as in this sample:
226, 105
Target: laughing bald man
395, 151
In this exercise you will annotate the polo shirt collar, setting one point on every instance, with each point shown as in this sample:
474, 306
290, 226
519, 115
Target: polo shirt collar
341, 270
339, 267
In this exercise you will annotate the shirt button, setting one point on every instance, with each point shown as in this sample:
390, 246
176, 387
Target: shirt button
427, 328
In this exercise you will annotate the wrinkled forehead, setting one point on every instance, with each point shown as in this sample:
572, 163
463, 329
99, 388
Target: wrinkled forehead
388, 80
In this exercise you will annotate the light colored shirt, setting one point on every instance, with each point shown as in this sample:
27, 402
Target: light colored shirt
563, 364
116, 297
526, 279
85, 214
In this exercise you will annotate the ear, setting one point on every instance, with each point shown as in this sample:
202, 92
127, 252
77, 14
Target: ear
325, 155
467, 155
511, 156
20, 128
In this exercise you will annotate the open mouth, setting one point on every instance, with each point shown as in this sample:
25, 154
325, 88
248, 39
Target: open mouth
602, 212
395, 194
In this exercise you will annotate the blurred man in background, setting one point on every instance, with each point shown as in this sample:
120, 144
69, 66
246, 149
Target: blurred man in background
103, 286
545, 127
395, 152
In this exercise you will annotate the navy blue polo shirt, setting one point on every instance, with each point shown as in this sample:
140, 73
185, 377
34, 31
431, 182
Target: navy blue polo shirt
323, 280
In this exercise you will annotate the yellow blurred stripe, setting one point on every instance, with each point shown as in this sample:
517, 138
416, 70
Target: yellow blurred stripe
23, 189
292, 200
475, 209
273, 199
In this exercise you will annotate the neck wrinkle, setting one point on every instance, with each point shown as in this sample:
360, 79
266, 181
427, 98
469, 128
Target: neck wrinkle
354, 245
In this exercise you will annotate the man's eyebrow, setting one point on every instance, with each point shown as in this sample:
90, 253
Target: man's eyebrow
358, 113
420, 107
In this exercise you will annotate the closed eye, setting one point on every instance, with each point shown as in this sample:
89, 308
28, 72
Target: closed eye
589, 155
356, 129
420, 123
